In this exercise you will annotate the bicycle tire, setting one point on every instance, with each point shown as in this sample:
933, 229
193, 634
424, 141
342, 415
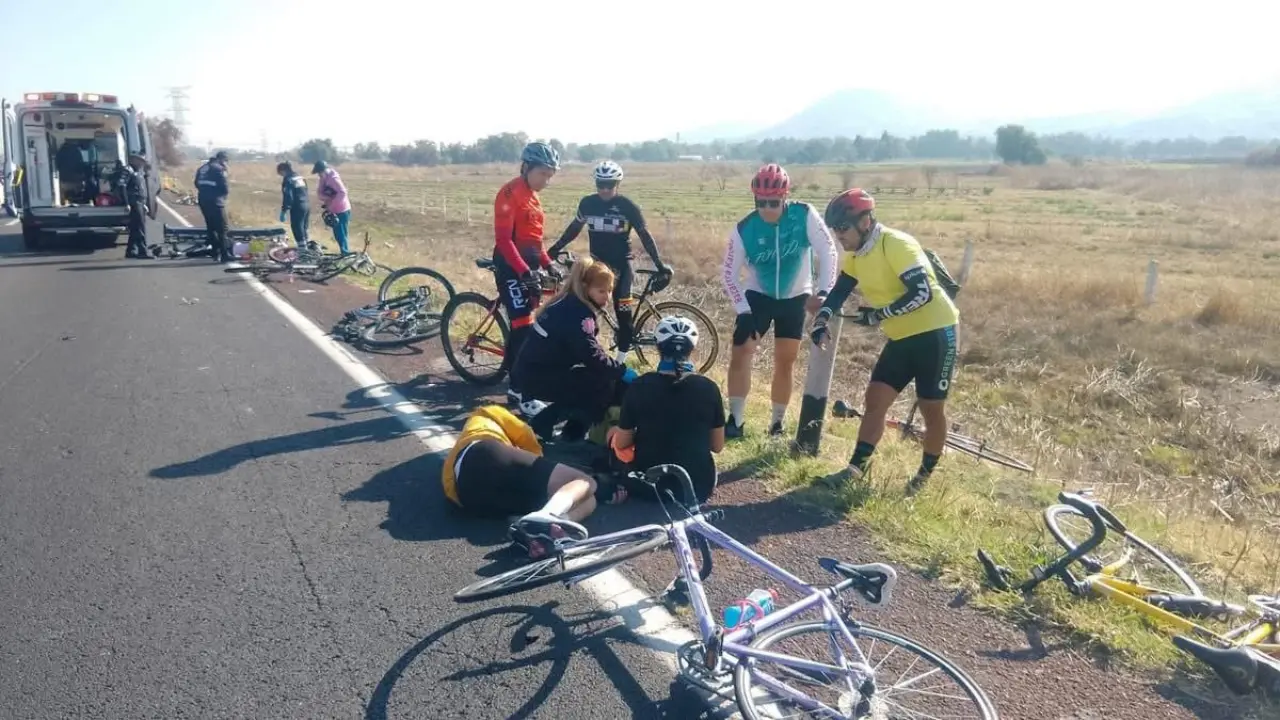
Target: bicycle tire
328, 268
706, 330
1052, 513
446, 322
741, 675
982, 451
367, 338
385, 287
634, 544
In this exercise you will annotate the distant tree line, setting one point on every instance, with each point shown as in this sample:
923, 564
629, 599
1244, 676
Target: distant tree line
1012, 144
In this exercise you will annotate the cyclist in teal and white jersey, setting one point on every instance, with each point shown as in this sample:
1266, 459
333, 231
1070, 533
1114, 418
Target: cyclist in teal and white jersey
776, 244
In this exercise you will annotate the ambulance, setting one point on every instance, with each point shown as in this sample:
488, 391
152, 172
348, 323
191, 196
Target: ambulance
63, 156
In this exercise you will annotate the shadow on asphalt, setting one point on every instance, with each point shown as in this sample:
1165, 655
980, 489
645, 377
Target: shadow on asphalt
11, 246
533, 637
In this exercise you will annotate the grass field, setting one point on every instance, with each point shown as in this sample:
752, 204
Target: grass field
1164, 409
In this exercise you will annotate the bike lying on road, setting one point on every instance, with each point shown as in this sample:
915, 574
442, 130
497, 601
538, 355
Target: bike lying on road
771, 678
310, 263
1246, 657
404, 314
194, 241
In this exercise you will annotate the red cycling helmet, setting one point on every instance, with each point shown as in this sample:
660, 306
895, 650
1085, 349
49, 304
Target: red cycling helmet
847, 208
771, 181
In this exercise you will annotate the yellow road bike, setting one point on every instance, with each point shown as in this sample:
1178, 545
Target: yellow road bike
1141, 577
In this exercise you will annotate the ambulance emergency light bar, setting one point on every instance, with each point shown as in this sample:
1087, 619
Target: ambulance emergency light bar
77, 99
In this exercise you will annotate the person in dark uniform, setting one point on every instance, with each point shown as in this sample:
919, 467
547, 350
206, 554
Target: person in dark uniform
134, 180
609, 218
293, 200
211, 193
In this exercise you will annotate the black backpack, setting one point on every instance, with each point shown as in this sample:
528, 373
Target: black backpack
948, 283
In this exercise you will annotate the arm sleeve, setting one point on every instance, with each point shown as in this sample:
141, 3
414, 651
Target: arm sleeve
825, 248
587, 350
286, 195
570, 233
636, 218
909, 262
339, 187
224, 186
627, 417
504, 228
734, 258
840, 292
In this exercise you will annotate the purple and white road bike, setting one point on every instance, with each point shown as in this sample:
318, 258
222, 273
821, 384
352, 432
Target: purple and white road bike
811, 667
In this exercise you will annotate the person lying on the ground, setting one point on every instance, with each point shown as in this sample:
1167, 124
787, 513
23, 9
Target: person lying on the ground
562, 362
673, 415
496, 469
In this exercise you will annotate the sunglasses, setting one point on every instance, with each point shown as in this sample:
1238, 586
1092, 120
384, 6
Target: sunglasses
607, 185
768, 203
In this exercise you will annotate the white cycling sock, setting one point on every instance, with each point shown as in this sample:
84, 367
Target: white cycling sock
737, 406
559, 504
779, 413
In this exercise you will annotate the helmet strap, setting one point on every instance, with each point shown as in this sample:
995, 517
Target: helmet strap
864, 234
674, 366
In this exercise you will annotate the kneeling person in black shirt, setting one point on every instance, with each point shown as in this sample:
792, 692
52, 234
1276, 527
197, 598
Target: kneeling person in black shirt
674, 415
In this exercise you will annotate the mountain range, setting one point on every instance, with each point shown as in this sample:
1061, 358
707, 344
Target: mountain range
1253, 113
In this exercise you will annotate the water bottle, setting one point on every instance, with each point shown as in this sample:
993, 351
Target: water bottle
758, 603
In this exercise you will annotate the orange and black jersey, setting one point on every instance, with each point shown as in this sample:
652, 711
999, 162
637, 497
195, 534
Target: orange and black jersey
517, 226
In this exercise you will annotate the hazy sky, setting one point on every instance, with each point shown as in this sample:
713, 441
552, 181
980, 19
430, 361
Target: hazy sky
396, 70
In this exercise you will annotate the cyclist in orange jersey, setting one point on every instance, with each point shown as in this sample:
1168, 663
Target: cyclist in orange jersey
518, 254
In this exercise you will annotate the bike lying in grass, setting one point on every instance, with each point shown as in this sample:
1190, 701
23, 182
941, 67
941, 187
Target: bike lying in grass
476, 328
1245, 658
404, 314
310, 263
965, 444
771, 678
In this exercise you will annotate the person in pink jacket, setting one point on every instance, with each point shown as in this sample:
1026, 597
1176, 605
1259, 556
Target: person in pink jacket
333, 198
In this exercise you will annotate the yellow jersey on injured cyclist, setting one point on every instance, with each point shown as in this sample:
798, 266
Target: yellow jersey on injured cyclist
489, 422
878, 267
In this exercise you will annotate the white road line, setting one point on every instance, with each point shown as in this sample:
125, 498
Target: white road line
13, 222
652, 624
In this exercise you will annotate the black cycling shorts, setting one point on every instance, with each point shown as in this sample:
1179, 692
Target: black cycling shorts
928, 358
498, 480
785, 315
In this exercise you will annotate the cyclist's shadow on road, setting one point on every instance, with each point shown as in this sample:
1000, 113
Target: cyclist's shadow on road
530, 637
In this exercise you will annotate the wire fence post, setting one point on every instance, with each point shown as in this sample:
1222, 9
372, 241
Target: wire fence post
468, 211
966, 265
817, 386
1153, 270
422, 207
444, 204
670, 236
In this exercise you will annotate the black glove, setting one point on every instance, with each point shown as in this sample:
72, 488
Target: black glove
662, 279
818, 333
554, 271
744, 329
531, 284
867, 316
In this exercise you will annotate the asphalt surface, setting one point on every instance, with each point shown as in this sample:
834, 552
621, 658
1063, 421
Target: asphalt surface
200, 518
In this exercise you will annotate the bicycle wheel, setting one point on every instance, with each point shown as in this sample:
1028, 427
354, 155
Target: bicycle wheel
580, 559
332, 266
916, 682
704, 356
472, 326
982, 451
393, 333
402, 281
1148, 566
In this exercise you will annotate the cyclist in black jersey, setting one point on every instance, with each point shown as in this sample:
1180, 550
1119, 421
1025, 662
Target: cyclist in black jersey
609, 218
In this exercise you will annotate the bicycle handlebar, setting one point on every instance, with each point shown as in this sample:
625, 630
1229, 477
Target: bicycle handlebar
656, 473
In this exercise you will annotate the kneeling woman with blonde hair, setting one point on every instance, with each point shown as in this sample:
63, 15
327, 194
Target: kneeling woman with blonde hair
562, 361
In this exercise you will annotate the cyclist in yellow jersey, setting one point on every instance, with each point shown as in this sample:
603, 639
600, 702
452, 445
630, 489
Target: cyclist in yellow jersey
905, 300
496, 468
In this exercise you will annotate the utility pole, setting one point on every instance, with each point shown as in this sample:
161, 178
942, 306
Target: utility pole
178, 107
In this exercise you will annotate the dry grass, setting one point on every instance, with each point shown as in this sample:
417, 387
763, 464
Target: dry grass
1167, 410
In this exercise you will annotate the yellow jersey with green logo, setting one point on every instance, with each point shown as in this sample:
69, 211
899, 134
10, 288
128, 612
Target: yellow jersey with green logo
489, 422
878, 267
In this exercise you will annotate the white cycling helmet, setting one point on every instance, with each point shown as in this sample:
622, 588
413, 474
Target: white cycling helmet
608, 170
676, 337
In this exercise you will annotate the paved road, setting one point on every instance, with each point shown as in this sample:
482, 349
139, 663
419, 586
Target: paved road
199, 518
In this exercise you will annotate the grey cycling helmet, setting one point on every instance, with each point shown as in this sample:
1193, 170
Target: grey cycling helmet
608, 171
319, 167
540, 153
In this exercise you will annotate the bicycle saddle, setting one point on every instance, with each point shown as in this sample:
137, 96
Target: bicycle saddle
1237, 667
873, 581
484, 263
